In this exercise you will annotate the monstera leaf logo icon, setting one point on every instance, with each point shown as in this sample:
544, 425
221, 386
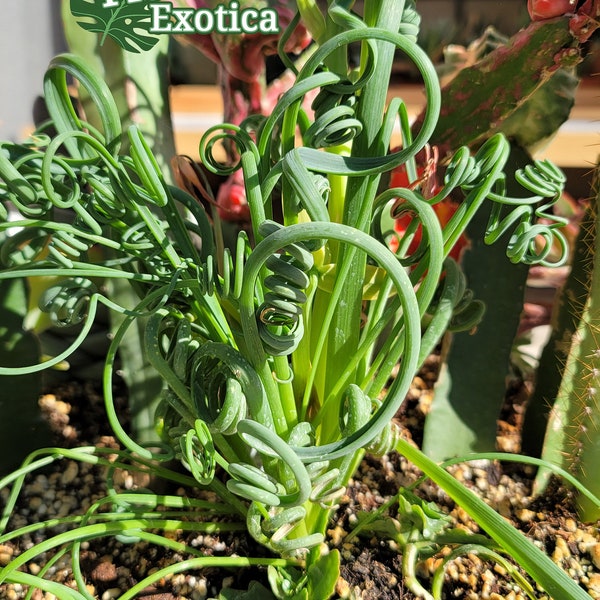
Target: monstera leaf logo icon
127, 22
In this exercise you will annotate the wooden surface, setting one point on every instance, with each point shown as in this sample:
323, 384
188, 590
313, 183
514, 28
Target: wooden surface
577, 144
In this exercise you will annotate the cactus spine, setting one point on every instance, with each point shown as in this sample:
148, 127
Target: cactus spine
573, 435
567, 314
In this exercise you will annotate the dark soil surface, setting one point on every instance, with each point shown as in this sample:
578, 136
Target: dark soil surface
371, 564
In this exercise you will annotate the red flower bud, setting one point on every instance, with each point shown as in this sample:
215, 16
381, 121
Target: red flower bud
548, 9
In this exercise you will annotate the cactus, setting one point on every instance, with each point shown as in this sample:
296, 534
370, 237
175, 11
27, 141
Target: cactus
489, 96
566, 316
573, 434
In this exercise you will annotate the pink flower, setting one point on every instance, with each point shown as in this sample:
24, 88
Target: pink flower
547, 9
584, 14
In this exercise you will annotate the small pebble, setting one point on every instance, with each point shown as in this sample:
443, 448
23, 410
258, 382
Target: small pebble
595, 583
561, 551
525, 515
504, 507
39, 486
595, 552
104, 571
452, 572
570, 525
70, 473
336, 535
201, 590
35, 503
6, 554
486, 590
342, 588
482, 484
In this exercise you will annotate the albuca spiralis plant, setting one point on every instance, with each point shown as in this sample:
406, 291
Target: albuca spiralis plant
276, 369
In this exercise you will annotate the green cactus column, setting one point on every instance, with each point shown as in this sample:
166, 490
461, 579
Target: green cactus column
573, 434
566, 317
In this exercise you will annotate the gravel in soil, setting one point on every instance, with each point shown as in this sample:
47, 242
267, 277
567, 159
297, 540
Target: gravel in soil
371, 566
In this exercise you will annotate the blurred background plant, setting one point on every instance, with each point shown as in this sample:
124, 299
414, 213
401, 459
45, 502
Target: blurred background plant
562, 422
